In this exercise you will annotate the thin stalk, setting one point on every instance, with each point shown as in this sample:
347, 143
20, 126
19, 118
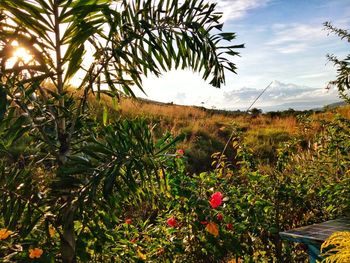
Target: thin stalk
59, 85
68, 238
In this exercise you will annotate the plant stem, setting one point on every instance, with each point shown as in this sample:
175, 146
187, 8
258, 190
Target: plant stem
62, 137
68, 238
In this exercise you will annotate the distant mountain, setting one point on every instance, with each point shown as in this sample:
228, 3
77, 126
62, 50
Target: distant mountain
336, 104
282, 96
278, 97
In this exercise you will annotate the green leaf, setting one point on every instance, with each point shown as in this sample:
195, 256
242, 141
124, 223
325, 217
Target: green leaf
105, 115
177, 139
75, 60
228, 36
109, 182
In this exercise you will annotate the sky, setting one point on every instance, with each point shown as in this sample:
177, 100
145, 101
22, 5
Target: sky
285, 45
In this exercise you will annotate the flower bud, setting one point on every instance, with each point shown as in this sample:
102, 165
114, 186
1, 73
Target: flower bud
171, 222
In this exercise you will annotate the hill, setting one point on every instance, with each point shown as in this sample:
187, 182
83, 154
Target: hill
208, 130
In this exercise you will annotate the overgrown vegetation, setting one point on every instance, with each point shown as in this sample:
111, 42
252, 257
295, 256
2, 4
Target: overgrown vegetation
85, 183
69, 165
207, 131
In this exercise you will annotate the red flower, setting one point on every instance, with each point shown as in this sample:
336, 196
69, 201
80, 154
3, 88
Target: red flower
219, 217
204, 222
128, 221
171, 221
229, 226
216, 200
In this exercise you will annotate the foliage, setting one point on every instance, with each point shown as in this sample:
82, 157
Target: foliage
255, 112
58, 162
78, 187
182, 225
342, 82
30, 189
336, 248
256, 203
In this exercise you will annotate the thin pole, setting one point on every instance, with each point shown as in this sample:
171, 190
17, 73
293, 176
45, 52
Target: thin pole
261, 93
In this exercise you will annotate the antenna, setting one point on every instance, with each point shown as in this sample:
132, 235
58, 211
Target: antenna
232, 133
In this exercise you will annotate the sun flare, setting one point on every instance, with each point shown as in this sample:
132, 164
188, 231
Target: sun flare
22, 54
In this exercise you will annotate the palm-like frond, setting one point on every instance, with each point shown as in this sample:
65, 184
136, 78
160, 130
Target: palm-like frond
122, 158
48, 27
127, 39
147, 37
115, 43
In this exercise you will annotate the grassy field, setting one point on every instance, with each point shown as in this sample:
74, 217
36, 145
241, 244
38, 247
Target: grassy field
207, 131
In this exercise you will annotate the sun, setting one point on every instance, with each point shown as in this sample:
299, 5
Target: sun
21, 54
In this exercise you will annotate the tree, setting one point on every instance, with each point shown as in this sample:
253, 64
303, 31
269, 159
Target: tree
342, 83
255, 112
113, 43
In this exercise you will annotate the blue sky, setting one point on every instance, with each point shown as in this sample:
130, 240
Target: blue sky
286, 44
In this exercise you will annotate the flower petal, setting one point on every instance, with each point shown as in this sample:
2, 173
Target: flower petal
213, 229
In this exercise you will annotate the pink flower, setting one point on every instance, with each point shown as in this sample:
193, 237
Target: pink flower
128, 221
180, 151
216, 200
171, 222
219, 217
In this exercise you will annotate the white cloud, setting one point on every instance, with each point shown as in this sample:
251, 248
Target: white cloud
294, 38
282, 96
286, 33
292, 48
186, 88
312, 76
234, 9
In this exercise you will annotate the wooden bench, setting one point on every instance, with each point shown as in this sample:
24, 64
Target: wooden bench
314, 235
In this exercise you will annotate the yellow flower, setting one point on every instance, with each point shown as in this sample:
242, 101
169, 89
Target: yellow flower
213, 229
52, 231
35, 253
5, 233
141, 255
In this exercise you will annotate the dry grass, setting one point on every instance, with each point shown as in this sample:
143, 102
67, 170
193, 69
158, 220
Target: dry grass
207, 131
177, 118
328, 115
175, 112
